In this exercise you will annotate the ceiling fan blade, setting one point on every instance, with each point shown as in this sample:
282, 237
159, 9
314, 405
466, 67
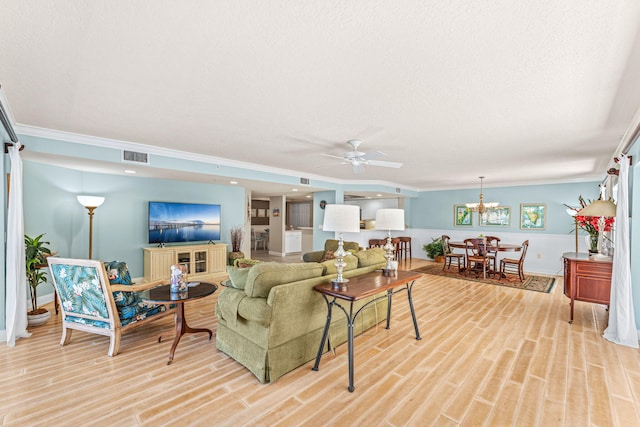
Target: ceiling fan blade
332, 156
384, 164
373, 155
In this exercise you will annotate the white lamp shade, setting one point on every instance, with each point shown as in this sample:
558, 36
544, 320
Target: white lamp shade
390, 219
342, 218
90, 201
599, 208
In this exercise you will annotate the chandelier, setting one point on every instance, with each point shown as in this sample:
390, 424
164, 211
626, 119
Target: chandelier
481, 207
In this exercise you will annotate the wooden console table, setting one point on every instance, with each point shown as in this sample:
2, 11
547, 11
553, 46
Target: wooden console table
586, 279
357, 288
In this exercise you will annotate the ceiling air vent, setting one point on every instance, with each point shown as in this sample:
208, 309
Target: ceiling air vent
398, 190
135, 157
304, 181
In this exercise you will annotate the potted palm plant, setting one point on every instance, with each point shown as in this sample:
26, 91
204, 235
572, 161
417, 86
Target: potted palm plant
434, 249
36, 253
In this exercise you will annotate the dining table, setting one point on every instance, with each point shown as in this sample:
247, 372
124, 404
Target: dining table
502, 247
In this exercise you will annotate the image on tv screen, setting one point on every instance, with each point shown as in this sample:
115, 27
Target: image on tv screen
183, 222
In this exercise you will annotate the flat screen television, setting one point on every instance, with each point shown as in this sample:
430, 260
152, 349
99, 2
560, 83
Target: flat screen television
183, 222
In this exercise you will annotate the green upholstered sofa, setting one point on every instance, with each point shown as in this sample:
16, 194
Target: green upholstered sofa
275, 323
330, 245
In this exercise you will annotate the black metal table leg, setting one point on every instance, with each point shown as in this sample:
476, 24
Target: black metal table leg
413, 313
389, 301
316, 365
350, 347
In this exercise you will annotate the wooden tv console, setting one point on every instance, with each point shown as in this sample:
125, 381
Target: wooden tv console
200, 260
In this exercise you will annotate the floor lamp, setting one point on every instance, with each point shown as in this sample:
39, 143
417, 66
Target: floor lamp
341, 219
389, 219
91, 203
573, 213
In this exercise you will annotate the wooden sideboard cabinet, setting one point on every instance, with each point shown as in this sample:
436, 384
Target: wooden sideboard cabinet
200, 260
586, 279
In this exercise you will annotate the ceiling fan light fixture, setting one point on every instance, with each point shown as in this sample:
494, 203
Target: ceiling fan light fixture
358, 159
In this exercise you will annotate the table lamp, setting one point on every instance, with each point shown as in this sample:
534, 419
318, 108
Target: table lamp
389, 219
600, 208
341, 219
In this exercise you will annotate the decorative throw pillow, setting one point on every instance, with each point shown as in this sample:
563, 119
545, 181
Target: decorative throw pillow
327, 256
118, 274
245, 262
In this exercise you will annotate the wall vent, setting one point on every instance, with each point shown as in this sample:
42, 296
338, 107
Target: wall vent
135, 157
398, 190
304, 181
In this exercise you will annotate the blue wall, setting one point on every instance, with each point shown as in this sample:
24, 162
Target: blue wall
120, 224
434, 209
50, 205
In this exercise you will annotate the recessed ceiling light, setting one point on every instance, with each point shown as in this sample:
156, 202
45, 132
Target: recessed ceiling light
308, 196
129, 171
379, 195
294, 189
233, 182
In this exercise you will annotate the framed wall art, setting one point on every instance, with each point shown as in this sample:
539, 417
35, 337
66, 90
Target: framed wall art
499, 216
462, 216
533, 216
262, 213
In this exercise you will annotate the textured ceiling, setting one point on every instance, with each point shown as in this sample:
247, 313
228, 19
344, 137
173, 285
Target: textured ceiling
520, 92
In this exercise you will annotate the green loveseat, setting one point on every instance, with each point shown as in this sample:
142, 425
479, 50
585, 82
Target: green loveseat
275, 323
330, 245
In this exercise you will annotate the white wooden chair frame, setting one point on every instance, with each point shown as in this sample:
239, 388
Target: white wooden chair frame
115, 330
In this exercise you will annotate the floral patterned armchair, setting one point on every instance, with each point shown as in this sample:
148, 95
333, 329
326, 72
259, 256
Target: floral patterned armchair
90, 302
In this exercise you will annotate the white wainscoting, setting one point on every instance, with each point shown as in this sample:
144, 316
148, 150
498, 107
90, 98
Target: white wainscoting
543, 257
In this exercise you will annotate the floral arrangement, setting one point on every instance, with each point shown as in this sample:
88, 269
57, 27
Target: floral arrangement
590, 223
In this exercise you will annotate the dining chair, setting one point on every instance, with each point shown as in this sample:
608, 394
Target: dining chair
515, 266
449, 255
492, 248
377, 243
259, 239
476, 256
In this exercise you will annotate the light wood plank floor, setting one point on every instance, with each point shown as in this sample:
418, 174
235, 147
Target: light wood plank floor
490, 355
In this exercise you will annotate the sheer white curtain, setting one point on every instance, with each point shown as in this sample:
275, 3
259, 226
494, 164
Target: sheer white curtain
622, 322
16, 281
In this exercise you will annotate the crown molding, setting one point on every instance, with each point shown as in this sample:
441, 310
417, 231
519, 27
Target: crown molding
115, 144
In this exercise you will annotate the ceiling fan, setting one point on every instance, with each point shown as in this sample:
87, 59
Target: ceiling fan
358, 159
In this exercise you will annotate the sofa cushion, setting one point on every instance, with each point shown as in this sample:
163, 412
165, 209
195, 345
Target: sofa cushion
332, 245
228, 303
140, 311
238, 276
264, 276
370, 257
330, 265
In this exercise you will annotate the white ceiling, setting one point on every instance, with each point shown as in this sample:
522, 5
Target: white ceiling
520, 92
